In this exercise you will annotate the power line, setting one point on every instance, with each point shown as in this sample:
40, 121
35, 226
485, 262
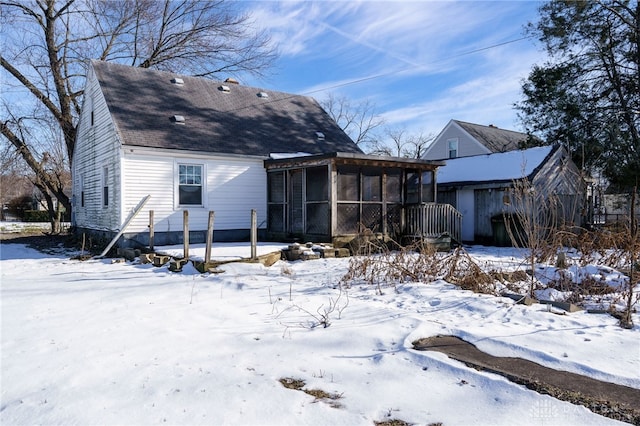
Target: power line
385, 74
390, 73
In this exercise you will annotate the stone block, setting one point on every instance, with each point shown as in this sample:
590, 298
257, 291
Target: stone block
522, 300
309, 255
160, 260
342, 252
146, 258
291, 255
128, 253
270, 258
569, 307
176, 265
331, 252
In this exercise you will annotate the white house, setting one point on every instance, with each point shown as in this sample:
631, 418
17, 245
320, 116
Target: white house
190, 143
199, 145
462, 139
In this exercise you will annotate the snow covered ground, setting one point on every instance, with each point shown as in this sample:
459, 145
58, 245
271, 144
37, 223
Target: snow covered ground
97, 342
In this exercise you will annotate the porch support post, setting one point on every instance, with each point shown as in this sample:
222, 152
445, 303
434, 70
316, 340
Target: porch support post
434, 179
383, 178
333, 199
185, 232
207, 252
254, 234
151, 231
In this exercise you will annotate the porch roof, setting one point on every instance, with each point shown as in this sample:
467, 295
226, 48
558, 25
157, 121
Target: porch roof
352, 159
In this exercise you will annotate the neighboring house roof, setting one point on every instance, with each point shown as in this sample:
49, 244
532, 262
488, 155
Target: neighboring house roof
494, 138
497, 167
218, 117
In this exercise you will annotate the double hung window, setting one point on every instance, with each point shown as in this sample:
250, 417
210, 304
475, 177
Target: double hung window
190, 184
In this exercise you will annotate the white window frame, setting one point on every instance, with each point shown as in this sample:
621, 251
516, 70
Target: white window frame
82, 193
203, 177
104, 186
452, 146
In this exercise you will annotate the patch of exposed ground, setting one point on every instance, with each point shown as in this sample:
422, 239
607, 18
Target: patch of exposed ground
45, 243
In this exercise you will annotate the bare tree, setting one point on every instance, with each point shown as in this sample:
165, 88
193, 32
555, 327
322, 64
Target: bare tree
358, 120
399, 143
47, 44
530, 215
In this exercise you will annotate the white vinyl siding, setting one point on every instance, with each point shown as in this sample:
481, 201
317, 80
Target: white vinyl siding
232, 187
97, 148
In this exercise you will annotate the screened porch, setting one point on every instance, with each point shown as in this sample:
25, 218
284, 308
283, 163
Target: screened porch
331, 198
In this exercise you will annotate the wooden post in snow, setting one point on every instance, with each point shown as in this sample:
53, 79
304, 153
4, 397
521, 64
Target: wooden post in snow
254, 234
151, 231
185, 232
207, 252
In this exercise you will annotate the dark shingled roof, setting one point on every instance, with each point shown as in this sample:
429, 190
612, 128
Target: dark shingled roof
495, 139
144, 103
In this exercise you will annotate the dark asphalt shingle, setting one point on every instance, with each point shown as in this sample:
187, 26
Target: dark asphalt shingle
143, 103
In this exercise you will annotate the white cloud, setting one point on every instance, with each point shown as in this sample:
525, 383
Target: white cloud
486, 98
422, 62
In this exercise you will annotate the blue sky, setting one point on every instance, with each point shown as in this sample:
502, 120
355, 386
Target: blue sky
421, 63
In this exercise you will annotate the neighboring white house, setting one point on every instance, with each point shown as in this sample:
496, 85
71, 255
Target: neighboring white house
462, 139
192, 144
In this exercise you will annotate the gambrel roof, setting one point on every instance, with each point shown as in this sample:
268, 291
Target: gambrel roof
165, 110
494, 138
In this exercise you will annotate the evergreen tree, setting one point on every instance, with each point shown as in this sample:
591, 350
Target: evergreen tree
587, 95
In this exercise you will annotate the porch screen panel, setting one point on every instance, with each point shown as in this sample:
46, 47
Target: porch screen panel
393, 186
394, 219
276, 190
372, 217
371, 186
413, 188
296, 203
348, 206
393, 198
348, 184
317, 184
276, 217
318, 218
371, 213
348, 218
276, 210
427, 187
317, 201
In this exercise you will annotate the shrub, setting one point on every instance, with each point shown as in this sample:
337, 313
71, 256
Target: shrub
36, 216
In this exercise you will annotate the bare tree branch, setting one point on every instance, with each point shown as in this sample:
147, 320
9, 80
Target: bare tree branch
52, 40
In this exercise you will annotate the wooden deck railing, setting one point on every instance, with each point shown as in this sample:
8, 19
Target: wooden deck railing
433, 220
